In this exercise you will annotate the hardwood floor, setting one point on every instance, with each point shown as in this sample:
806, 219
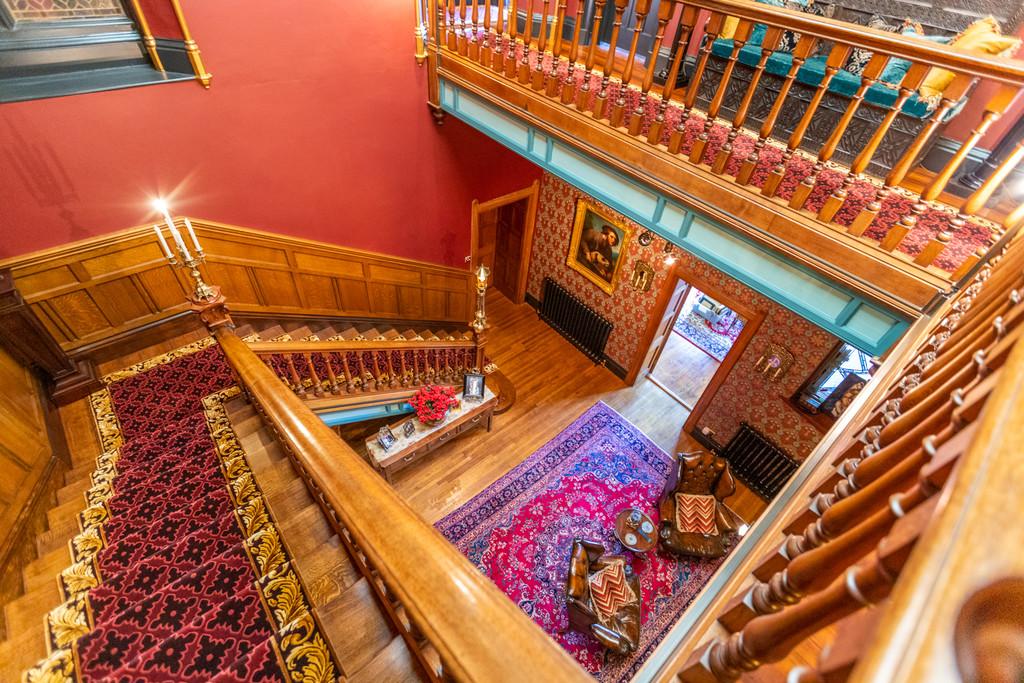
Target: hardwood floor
555, 383
684, 370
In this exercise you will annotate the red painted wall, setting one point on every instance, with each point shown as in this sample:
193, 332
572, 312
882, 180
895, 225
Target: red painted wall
316, 126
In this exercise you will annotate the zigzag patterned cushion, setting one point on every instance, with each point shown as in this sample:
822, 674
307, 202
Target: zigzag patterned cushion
696, 514
609, 591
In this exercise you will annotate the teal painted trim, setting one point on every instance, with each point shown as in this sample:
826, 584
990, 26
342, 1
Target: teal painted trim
344, 417
857, 321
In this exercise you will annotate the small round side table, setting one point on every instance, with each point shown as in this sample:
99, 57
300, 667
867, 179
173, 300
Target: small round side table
635, 530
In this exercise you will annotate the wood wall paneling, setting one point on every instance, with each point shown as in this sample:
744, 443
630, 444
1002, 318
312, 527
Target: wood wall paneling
89, 291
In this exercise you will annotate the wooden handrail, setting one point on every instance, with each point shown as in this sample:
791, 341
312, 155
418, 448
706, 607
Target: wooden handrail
897, 45
479, 634
367, 345
974, 541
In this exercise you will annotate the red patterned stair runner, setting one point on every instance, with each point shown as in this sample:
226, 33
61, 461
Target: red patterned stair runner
179, 572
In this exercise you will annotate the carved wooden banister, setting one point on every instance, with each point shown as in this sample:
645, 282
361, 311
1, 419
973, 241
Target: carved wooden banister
477, 632
722, 84
369, 345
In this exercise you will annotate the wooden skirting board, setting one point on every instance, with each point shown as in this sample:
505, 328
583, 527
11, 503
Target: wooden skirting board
116, 284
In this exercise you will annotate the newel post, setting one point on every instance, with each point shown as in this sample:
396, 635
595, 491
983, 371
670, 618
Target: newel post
28, 340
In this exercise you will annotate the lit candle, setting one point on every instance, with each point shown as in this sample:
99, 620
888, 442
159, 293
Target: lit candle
192, 235
163, 243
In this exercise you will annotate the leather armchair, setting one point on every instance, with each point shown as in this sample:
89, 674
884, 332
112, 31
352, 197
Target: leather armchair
618, 632
702, 474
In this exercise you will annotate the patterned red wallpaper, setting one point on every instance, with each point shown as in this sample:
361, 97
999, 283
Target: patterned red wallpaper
745, 395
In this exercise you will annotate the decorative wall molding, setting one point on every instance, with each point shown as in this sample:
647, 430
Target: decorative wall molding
89, 291
866, 324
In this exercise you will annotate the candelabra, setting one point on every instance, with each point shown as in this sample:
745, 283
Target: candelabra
206, 300
480, 322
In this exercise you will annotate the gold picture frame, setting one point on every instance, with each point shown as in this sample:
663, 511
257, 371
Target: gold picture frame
590, 252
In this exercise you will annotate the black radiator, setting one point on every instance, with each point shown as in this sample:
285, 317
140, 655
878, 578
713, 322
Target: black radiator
757, 462
574, 320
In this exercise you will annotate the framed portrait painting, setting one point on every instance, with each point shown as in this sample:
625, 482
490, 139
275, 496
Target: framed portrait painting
598, 246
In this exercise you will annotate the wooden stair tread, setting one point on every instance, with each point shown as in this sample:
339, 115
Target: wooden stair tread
354, 627
327, 572
54, 538
21, 651
305, 531
393, 664
27, 611
65, 513
74, 491
46, 568
77, 475
286, 495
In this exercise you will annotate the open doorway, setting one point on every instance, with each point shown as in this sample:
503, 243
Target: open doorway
501, 239
698, 334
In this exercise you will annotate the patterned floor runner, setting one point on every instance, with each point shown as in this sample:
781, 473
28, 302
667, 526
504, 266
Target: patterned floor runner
520, 529
179, 572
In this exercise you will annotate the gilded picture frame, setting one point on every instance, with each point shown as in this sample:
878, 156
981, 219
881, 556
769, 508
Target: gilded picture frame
598, 246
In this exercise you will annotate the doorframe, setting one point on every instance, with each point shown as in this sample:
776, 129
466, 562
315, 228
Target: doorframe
753, 317
531, 193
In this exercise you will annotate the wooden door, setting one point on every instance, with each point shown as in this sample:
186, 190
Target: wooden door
487, 228
668, 321
510, 228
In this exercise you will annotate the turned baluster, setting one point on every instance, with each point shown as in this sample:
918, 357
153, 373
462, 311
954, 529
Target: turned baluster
950, 96
583, 92
554, 83
771, 637
771, 39
569, 87
687, 20
486, 48
739, 40
318, 390
332, 379
908, 86
497, 62
473, 48
349, 384
609, 59
619, 107
511, 62
464, 33
375, 369
297, 385
524, 63
813, 570
868, 77
993, 110
665, 10
405, 368
804, 47
451, 16
712, 28
971, 206
389, 370
366, 380
539, 74
836, 58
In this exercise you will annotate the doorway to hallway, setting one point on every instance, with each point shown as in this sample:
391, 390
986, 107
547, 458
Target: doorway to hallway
697, 334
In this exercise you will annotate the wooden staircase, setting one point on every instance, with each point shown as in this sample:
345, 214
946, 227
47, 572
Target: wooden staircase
365, 644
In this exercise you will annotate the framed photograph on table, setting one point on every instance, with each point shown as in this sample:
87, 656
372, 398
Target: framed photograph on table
473, 387
386, 438
598, 245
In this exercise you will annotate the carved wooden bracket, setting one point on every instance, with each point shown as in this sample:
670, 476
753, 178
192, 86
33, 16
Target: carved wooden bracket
27, 339
213, 312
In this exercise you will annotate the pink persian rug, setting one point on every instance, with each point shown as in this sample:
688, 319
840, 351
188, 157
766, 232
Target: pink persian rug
519, 531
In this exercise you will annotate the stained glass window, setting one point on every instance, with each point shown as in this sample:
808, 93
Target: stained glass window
58, 10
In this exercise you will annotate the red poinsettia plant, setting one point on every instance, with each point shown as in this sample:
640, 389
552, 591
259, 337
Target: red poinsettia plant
432, 402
